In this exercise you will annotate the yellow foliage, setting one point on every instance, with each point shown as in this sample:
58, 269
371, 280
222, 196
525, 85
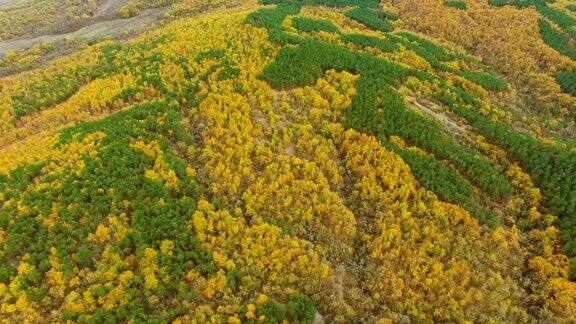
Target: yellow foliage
293, 201
260, 249
161, 170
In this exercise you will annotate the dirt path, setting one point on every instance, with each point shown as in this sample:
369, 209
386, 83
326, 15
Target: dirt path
109, 28
446, 121
109, 8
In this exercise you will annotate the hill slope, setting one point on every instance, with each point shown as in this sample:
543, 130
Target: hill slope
295, 160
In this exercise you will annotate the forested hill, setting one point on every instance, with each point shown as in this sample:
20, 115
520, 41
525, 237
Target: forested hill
296, 161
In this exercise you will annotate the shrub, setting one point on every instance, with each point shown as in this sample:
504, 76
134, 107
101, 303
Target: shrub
373, 19
455, 4
310, 25
274, 312
565, 21
556, 39
385, 45
84, 257
301, 308
567, 80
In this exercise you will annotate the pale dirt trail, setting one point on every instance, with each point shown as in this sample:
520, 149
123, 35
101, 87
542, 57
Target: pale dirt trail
109, 28
109, 8
448, 123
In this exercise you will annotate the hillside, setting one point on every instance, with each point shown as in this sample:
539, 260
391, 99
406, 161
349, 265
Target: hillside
301, 160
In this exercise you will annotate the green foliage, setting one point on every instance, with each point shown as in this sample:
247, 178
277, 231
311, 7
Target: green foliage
519, 3
565, 21
284, 226
301, 308
373, 19
51, 89
113, 181
437, 55
431, 50
445, 181
455, 4
498, 3
84, 257
233, 277
18, 180
115, 175
567, 80
272, 20
486, 80
99, 291
6, 272
310, 25
377, 109
227, 69
303, 64
391, 117
273, 311
210, 54
428, 134
557, 40
385, 45
552, 167
147, 69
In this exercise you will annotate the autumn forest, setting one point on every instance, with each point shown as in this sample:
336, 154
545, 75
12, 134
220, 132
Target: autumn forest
288, 161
